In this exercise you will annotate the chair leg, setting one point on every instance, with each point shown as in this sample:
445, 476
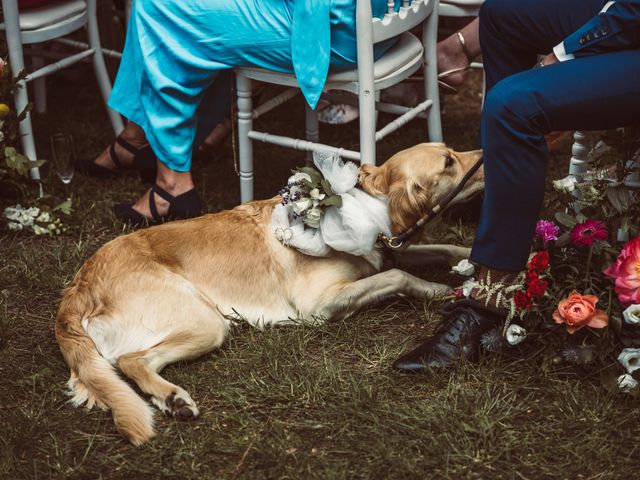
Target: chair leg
39, 87
99, 67
245, 147
312, 129
21, 98
429, 40
368, 117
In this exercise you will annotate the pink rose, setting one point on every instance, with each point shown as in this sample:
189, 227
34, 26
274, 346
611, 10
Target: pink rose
626, 273
579, 311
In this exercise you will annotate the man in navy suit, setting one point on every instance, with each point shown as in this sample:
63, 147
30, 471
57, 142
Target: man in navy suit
588, 80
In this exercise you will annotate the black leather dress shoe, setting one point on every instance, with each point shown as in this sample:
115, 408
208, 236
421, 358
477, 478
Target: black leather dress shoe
457, 337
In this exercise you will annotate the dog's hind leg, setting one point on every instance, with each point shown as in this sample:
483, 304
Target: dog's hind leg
198, 329
143, 367
345, 299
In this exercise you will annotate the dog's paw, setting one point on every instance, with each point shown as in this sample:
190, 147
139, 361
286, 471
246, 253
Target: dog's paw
179, 405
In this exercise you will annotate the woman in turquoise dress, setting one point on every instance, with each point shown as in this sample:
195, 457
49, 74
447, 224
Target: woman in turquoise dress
173, 79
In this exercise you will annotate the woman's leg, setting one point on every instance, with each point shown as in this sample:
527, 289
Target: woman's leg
175, 51
453, 55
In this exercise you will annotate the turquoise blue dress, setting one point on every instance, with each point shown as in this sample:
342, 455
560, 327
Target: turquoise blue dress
174, 70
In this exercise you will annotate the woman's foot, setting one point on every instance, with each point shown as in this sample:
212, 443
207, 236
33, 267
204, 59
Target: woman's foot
172, 197
452, 58
129, 151
455, 54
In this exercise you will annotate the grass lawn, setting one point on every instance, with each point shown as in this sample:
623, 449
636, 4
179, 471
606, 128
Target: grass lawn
288, 403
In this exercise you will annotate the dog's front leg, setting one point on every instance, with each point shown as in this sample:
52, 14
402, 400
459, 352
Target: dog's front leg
418, 255
344, 300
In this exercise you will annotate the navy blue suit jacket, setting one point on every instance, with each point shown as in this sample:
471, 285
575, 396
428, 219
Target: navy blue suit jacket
616, 27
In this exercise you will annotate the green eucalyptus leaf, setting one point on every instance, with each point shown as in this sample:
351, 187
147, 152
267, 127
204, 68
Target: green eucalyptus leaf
565, 219
65, 207
563, 240
333, 200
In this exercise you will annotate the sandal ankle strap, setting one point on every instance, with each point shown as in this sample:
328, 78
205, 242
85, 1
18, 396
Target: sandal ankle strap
465, 50
155, 189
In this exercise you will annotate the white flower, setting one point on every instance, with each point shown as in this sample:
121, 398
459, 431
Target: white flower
626, 383
632, 315
468, 285
299, 177
38, 230
301, 205
515, 334
15, 226
464, 268
312, 217
13, 213
566, 184
44, 217
316, 195
629, 358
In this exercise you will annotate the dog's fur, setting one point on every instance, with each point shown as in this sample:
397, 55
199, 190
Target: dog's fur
164, 294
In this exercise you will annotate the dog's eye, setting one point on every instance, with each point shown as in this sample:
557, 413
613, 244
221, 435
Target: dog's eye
448, 161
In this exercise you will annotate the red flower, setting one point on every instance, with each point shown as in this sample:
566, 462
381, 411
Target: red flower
537, 287
584, 234
539, 262
522, 300
532, 276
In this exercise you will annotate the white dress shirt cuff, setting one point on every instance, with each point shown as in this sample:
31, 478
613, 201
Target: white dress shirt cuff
561, 54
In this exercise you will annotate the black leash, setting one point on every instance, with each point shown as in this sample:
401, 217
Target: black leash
398, 240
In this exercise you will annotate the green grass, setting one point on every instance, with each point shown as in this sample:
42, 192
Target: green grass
288, 403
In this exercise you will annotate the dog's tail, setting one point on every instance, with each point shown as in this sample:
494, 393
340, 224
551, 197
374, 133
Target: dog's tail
93, 380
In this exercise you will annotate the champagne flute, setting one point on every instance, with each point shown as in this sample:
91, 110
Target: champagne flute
63, 156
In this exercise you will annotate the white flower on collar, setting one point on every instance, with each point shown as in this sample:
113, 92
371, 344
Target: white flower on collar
312, 217
315, 194
299, 177
626, 383
515, 334
300, 206
464, 268
629, 358
632, 315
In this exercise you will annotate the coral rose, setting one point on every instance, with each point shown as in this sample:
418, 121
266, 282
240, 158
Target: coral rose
626, 273
578, 311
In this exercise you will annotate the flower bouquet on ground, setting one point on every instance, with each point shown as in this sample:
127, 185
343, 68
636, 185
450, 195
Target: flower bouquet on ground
578, 302
43, 216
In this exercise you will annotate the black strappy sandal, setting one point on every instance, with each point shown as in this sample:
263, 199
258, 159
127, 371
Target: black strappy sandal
144, 160
185, 205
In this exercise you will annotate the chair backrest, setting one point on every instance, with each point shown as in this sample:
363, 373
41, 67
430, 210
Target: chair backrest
410, 14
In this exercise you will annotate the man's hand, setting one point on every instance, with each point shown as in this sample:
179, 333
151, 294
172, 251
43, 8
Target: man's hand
547, 60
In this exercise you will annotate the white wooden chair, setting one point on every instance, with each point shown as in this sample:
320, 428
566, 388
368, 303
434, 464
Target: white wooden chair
398, 63
44, 24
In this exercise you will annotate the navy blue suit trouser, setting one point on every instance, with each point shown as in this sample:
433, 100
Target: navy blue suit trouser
523, 104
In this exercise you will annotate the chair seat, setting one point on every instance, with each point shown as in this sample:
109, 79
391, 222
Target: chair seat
406, 53
464, 3
50, 14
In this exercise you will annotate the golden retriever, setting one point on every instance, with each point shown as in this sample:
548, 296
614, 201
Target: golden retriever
164, 294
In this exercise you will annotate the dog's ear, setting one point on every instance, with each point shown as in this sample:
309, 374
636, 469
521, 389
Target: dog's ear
408, 201
373, 180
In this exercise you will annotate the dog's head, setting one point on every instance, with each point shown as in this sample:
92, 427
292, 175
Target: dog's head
416, 179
